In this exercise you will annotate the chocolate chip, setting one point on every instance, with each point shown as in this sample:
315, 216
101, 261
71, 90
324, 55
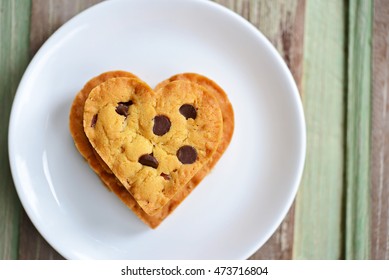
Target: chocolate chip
166, 176
161, 125
122, 108
94, 120
187, 154
149, 160
188, 111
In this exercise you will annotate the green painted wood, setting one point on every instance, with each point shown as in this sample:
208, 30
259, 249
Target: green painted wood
379, 176
318, 219
358, 130
14, 30
282, 22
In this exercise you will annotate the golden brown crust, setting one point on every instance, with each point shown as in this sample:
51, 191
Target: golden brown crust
76, 120
110, 180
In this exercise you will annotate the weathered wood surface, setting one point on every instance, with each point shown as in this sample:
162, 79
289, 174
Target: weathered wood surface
357, 215
319, 223
326, 46
14, 30
380, 133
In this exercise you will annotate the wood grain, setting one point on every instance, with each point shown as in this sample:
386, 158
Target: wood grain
380, 133
319, 220
282, 22
14, 26
32, 246
357, 235
46, 17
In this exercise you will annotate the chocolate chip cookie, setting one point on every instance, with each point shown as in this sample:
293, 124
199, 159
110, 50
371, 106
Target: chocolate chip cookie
105, 174
145, 139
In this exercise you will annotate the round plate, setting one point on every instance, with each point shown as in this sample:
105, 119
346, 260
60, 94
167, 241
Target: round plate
238, 205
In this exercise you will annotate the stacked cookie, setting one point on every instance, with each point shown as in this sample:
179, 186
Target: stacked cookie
151, 147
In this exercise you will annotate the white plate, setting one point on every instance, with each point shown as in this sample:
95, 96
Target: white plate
235, 209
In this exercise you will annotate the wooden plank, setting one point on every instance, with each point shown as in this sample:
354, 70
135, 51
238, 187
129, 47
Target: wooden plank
380, 133
282, 22
357, 245
46, 17
318, 219
14, 26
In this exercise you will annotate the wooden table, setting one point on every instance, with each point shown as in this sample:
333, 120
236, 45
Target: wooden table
338, 52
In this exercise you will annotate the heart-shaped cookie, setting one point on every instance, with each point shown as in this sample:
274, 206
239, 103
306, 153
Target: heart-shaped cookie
154, 142
105, 174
